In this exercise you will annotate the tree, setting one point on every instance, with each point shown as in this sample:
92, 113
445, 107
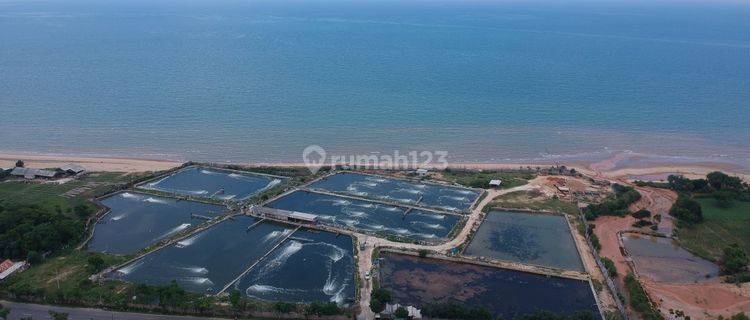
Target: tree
378, 299
33, 257
235, 298
610, 266
95, 263
423, 253
734, 260
641, 214
58, 315
20, 163
4, 312
82, 211
686, 209
284, 307
323, 309
721, 181
401, 313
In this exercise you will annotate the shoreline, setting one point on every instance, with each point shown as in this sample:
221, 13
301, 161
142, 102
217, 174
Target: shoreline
605, 169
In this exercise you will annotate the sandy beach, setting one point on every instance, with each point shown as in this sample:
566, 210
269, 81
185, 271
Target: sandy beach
603, 169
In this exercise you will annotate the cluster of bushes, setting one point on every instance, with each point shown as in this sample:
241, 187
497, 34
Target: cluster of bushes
686, 209
378, 299
610, 266
452, 310
739, 316
616, 204
29, 230
723, 187
639, 300
734, 260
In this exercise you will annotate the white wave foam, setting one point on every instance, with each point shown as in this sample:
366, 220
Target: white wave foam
204, 171
130, 268
273, 183
338, 298
466, 192
188, 242
280, 258
349, 222
175, 230
429, 225
128, 195
400, 230
276, 234
376, 179
198, 280
354, 213
196, 270
341, 202
118, 217
155, 200
410, 191
461, 199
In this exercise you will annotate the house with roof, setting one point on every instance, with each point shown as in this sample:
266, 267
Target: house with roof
29, 173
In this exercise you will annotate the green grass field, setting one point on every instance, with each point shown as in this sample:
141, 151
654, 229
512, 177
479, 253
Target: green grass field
532, 200
482, 179
722, 227
50, 195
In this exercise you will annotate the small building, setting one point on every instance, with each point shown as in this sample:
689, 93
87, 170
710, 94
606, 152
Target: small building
422, 172
279, 214
562, 189
390, 310
13, 268
496, 183
72, 169
30, 173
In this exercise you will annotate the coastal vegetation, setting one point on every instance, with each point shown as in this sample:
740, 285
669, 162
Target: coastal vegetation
713, 214
615, 204
27, 231
639, 299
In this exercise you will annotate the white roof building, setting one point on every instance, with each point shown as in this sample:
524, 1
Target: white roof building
496, 182
12, 269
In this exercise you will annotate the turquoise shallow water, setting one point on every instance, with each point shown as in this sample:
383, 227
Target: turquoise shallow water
488, 81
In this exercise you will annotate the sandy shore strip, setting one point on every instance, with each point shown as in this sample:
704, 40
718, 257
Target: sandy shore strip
90, 163
114, 164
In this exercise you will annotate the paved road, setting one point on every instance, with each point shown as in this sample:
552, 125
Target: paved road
41, 312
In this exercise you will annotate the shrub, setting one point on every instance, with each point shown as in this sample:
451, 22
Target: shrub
610, 266
734, 260
642, 214
686, 209
323, 309
616, 204
639, 300
378, 299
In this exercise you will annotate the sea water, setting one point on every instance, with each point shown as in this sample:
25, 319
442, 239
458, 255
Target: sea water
486, 81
